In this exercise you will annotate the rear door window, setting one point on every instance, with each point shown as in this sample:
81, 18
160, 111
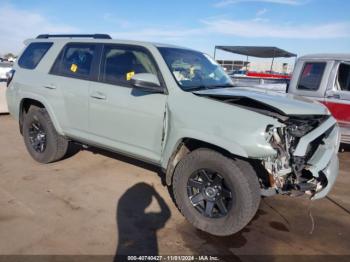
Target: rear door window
33, 54
120, 63
75, 61
311, 76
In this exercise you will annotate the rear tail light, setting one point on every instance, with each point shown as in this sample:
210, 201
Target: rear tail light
9, 76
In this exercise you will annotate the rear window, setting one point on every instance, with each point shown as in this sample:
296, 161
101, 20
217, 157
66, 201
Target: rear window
33, 54
75, 60
311, 76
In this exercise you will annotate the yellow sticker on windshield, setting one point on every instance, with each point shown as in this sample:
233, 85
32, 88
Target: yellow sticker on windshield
73, 68
130, 75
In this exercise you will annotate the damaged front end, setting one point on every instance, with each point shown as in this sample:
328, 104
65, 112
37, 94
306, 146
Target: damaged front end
306, 141
306, 160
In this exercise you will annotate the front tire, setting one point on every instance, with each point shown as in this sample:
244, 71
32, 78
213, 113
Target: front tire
42, 141
215, 193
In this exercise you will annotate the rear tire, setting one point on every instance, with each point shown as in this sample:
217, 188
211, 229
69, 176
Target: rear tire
236, 176
42, 141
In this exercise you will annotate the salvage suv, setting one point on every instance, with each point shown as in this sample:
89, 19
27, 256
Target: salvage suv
221, 147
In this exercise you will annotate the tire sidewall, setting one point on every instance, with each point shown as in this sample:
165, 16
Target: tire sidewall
39, 115
234, 180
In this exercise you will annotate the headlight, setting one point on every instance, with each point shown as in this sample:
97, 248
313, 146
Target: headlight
299, 130
9, 76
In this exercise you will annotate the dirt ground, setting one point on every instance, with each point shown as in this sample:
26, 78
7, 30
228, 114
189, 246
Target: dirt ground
96, 202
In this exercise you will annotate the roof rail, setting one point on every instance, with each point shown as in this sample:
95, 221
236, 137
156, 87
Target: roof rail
96, 36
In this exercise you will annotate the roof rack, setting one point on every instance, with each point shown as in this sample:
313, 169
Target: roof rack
95, 36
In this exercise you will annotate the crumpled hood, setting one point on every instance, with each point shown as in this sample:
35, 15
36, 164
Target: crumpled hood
286, 103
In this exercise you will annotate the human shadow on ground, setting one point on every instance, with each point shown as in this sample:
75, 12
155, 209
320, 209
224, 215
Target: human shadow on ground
137, 229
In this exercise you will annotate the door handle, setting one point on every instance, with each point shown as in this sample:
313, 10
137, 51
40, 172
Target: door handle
332, 94
98, 95
50, 86
336, 96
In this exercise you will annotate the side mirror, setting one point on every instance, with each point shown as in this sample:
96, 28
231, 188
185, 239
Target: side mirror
147, 81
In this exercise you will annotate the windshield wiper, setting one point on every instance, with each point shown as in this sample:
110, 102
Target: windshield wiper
201, 87
221, 86
196, 88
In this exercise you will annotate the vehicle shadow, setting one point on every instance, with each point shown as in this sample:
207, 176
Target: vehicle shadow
222, 246
344, 148
76, 148
137, 229
73, 149
259, 236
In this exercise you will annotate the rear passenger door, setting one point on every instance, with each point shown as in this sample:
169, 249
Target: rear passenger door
71, 75
121, 117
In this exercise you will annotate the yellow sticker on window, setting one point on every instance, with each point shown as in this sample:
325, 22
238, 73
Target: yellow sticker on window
192, 71
130, 75
73, 68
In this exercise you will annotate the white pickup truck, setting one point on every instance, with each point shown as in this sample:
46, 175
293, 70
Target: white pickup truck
4, 69
325, 78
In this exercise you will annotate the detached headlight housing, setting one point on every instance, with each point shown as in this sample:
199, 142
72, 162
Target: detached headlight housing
299, 127
299, 130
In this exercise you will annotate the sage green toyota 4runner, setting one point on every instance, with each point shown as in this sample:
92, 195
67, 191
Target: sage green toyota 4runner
221, 147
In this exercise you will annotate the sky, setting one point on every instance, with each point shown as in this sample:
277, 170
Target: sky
299, 26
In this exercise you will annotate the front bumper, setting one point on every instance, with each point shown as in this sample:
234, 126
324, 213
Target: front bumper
325, 160
331, 173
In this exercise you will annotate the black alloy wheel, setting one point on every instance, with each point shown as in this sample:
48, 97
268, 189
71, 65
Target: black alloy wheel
209, 194
37, 137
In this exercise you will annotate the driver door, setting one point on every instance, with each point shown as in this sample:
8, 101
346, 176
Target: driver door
338, 98
121, 117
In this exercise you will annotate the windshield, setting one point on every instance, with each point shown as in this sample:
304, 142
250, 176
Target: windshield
194, 70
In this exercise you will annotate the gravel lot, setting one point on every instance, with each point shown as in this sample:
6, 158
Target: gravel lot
96, 202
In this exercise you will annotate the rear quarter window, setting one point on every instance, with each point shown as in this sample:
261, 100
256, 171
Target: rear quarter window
344, 77
311, 76
33, 54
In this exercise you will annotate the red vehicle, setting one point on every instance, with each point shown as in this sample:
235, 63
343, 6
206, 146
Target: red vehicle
267, 75
325, 78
